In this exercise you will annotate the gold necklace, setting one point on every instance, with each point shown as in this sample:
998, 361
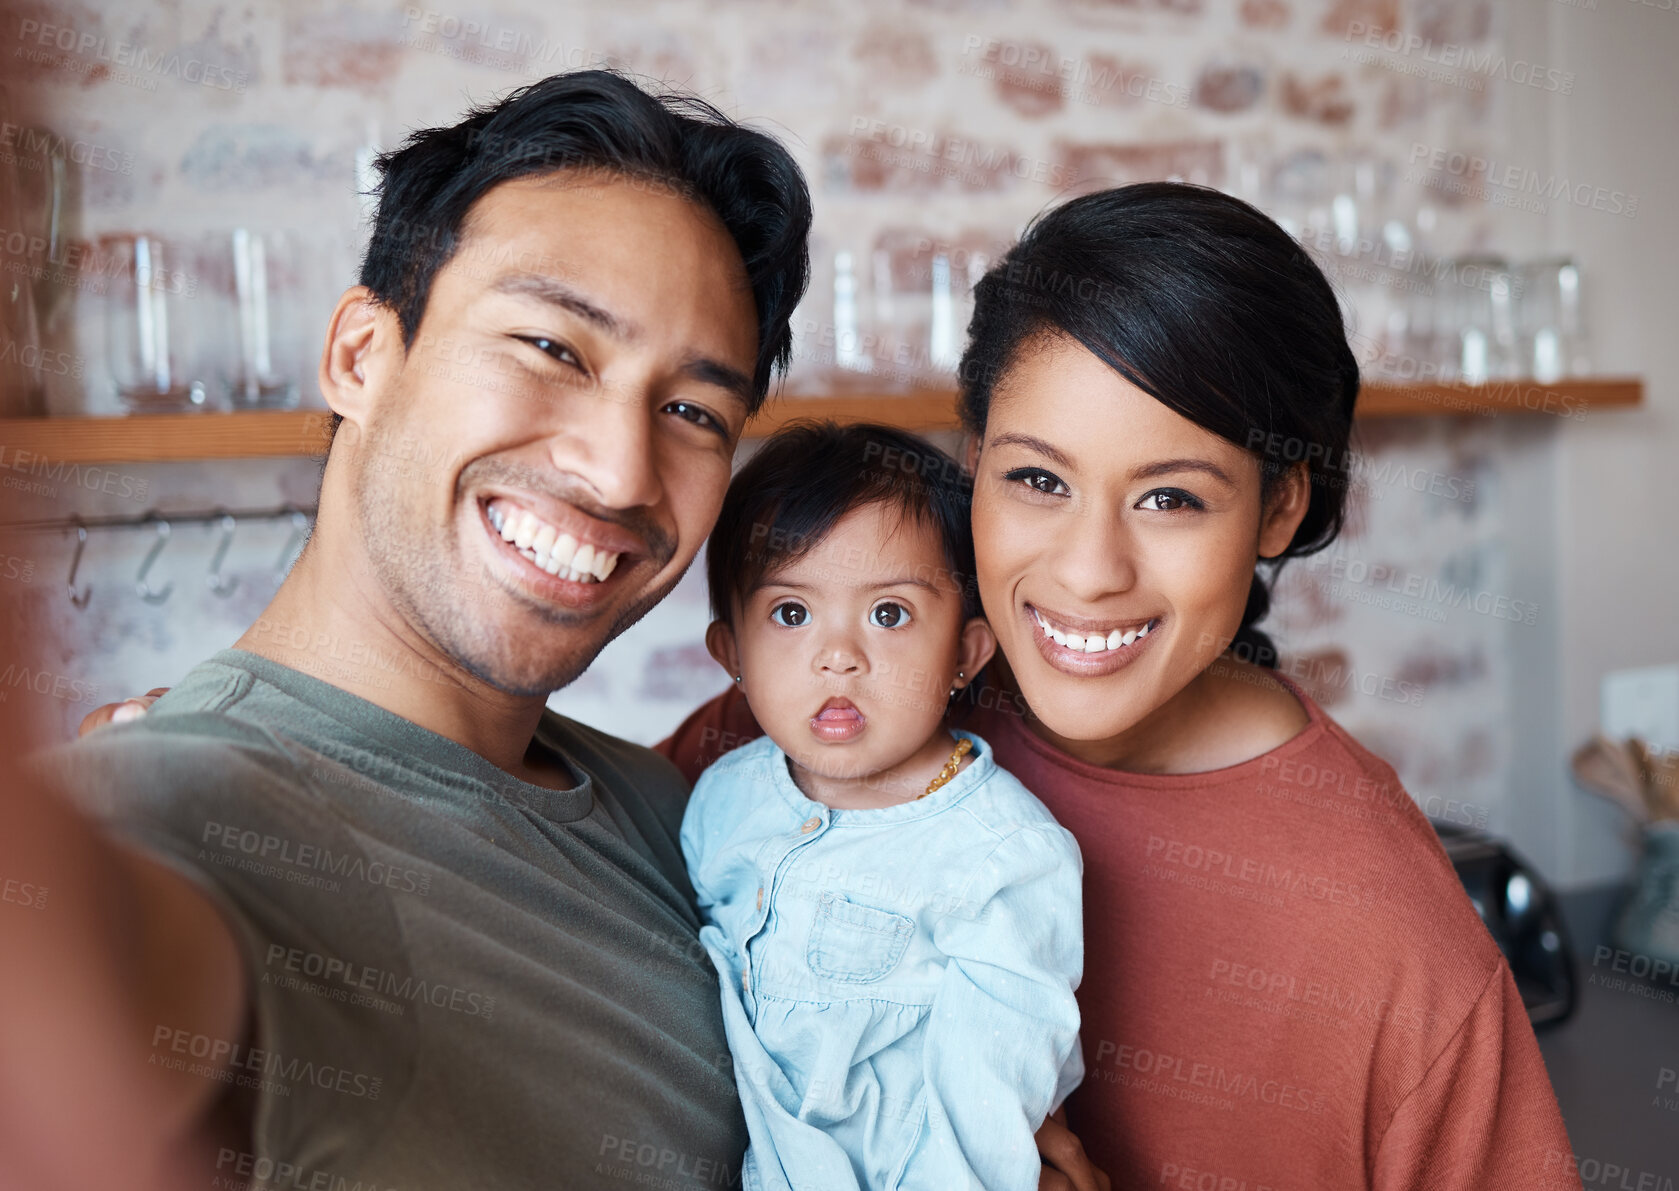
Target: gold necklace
950, 767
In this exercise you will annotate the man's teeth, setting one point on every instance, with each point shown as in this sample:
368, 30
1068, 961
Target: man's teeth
1094, 642
557, 553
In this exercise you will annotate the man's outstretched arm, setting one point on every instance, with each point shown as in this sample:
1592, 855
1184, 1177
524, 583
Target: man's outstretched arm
101, 951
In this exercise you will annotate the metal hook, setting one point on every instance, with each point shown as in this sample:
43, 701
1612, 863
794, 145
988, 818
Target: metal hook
147, 593
79, 599
217, 582
299, 531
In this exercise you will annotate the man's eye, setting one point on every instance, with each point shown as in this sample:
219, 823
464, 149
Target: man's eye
1168, 500
1037, 479
790, 615
889, 615
697, 414
554, 348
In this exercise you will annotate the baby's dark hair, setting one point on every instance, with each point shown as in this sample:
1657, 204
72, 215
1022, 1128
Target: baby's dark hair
791, 494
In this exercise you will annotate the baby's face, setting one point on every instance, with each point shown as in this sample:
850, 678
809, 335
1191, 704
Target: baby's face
848, 655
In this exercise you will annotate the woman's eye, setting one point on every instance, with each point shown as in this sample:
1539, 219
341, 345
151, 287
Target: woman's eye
1038, 480
697, 414
889, 615
790, 615
1167, 500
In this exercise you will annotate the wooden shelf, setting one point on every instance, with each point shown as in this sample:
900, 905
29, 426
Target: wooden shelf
151, 438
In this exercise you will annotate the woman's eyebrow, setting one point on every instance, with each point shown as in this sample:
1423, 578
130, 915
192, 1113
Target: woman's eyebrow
1032, 443
1149, 471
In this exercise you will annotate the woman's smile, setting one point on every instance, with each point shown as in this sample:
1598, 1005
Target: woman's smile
1086, 647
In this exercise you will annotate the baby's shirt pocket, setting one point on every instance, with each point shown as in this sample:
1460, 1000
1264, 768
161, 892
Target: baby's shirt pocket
856, 943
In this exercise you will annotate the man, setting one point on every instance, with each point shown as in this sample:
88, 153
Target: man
368, 915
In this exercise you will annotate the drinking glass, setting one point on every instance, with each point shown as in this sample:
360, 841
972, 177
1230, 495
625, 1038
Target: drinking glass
154, 323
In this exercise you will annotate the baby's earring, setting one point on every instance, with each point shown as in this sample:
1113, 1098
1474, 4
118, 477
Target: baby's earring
957, 685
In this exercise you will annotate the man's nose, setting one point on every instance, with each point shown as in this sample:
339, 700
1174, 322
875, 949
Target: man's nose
608, 441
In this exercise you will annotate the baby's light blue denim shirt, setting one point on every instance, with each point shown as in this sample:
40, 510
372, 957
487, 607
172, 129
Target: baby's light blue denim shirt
897, 982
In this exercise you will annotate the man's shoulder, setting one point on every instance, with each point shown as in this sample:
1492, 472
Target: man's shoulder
197, 748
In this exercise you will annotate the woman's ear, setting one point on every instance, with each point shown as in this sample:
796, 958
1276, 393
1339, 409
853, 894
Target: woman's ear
977, 645
720, 644
1284, 510
358, 337
970, 452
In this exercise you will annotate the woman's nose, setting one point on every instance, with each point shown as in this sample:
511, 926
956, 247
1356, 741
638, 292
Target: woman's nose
1097, 557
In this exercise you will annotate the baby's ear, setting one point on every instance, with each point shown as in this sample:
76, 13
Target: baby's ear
720, 643
978, 644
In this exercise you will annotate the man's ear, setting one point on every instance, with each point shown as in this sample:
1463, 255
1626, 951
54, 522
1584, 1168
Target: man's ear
1284, 511
360, 341
977, 645
720, 643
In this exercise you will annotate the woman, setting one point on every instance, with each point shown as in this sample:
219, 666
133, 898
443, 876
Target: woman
1285, 984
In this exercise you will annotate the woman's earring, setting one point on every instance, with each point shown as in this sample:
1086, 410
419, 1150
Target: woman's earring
737, 678
954, 688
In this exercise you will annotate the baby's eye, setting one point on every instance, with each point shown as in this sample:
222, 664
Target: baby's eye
790, 614
889, 615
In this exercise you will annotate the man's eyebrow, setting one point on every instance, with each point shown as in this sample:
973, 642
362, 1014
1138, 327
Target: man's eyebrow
557, 293
725, 376
1149, 471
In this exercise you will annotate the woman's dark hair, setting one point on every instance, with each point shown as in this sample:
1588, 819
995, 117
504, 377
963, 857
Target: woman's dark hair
595, 119
1206, 305
791, 494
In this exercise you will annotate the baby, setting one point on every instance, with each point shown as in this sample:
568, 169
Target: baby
894, 918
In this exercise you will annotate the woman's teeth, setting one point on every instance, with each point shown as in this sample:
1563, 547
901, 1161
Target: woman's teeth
1094, 642
557, 553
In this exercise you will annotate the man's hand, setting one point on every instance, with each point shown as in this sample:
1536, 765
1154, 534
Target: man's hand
1066, 1166
119, 713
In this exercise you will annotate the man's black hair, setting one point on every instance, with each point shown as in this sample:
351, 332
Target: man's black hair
789, 496
596, 120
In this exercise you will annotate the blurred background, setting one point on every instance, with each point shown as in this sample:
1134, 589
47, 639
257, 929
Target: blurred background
1492, 185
